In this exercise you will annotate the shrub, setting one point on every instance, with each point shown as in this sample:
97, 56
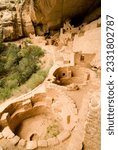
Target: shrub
53, 130
27, 41
4, 92
18, 65
11, 56
36, 51
36, 79
2, 47
1, 67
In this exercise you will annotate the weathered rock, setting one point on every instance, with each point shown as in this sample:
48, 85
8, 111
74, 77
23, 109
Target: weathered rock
10, 22
2, 7
15, 140
73, 87
63, 136
4, 119
27, 24
37, 17
31, 145
22, 142
1, 136
27, 104
93, 15
53, 141
1, 148
92, 126
7, 133
53, 12
42, 143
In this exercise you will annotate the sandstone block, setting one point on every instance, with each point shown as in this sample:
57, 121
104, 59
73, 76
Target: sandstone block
31, 145
22, 142
7, 133
63, 136
4, 119
27, 104
42, 143
1, 136
53, 141
15, 140
4, 116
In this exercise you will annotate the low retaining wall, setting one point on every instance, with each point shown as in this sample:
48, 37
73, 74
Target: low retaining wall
17, 112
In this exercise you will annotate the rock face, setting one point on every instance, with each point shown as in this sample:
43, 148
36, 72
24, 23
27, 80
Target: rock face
38, 16
54, 12
10, 21
27, 24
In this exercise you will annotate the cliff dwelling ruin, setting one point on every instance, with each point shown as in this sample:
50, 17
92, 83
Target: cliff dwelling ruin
63, 112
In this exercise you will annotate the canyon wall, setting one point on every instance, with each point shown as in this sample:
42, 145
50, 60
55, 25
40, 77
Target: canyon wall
23, 17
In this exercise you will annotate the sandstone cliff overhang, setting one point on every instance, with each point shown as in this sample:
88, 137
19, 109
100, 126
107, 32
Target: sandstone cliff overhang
39, 16
54, 12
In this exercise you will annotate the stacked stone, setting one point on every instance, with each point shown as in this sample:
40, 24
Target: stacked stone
14, 139
92, 127
50, 142
7, 132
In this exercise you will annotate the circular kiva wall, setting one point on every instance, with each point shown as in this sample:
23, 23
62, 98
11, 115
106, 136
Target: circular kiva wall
40, 121
72, 74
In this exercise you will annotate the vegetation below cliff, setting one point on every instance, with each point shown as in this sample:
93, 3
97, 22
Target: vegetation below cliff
18, 65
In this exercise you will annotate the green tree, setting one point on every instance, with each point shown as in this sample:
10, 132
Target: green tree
2, 47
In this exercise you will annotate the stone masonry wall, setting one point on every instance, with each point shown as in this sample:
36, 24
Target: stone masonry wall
92, 127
